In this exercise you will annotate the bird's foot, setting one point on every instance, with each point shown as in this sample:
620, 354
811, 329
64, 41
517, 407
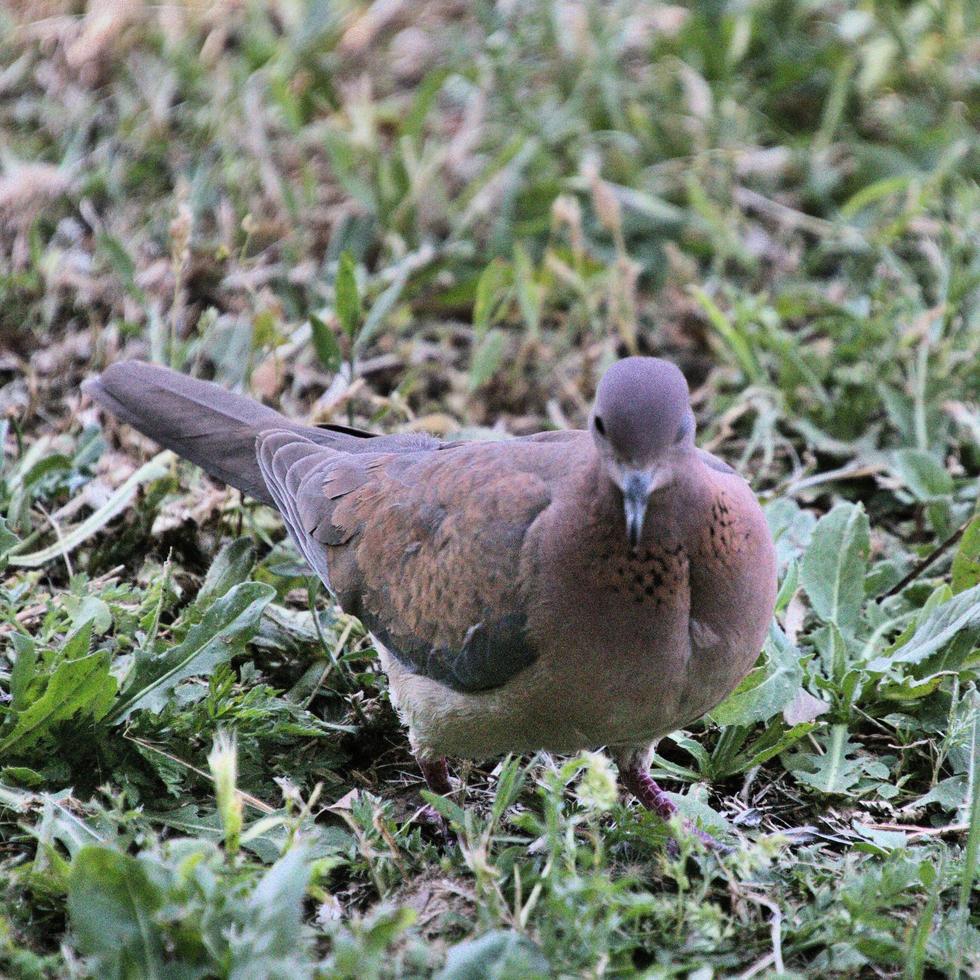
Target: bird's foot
640, 783
433, 823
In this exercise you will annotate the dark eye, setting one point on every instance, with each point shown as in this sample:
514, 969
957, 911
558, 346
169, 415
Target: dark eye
600, 426
685, 430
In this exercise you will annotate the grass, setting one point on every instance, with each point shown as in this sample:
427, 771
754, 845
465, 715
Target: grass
450, 217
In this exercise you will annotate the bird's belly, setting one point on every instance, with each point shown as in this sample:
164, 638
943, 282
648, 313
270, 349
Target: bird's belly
558, 704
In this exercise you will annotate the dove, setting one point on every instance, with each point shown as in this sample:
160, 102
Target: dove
565, 591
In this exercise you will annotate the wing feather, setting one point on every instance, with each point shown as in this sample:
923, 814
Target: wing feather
426, 548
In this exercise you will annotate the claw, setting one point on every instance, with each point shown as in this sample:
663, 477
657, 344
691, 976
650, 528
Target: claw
640, 783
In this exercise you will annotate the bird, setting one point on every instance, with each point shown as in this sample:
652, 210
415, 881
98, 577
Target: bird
566, 591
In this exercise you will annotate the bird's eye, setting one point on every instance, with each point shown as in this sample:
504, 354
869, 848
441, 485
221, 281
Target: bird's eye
686, 428
600, 426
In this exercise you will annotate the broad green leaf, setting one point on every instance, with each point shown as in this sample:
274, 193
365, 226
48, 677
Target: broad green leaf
528, 289
381, 307
949, 793
8, 541
835, 565
271, 942
23, 670
425, 96
774, 741
733, 338
347, 299
80, 686
768, 688
92, 609
325, 344
55, 463
922, 474
510, 782
499, 953
956, 620
966, 561
791, 527
492, 289
112, 904
21, 776
833, 650
223, 630
487, 359
78, 643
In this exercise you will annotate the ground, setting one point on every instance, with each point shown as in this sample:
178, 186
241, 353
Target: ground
449, 217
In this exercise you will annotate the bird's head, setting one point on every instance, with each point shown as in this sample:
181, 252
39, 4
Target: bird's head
643, 428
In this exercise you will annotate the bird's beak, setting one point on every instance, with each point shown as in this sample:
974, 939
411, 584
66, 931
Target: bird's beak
637, 487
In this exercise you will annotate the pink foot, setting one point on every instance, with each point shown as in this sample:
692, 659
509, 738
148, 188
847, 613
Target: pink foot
638, 781
436, 775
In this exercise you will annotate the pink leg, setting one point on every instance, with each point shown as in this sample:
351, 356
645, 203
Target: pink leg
436, 775
638, 781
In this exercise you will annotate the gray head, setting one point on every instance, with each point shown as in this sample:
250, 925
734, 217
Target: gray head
643, 428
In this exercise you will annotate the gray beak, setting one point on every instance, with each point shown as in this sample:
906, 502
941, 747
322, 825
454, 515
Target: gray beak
636, 494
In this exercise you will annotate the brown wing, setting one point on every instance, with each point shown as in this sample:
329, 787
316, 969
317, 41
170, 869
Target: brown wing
426, 548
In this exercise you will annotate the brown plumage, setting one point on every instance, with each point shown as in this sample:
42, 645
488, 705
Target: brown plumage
560, 591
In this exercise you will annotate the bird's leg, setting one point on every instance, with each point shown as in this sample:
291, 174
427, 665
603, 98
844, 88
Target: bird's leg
436, 775
638, 781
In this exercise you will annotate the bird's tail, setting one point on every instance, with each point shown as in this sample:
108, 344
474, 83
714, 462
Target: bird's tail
203, 422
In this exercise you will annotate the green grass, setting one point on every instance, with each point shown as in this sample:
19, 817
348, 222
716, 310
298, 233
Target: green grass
449, 221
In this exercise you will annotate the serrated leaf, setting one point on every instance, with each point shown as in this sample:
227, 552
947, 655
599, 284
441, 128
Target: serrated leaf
347, 299
325, 344
231, 567
835, 564
226, 626
80, 686
839, 769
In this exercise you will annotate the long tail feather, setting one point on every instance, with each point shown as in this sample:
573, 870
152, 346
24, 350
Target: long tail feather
203, 422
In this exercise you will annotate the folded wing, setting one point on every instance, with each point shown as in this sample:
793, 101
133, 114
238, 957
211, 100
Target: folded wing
428, 549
